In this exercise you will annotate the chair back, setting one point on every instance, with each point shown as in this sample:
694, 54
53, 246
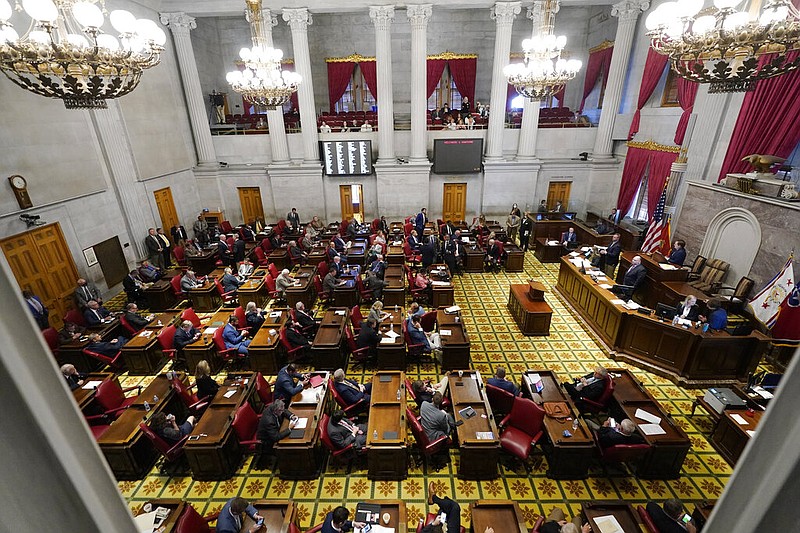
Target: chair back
225, 226
417, 430
323, 433
160, 444
76, 317
351, 339
407, 227
220, 290
239, 313
712, 276
266, 245
51, 338
229, 241
175, 282
166, 337
109, 395
608, 392
697, 266
273, 270
624, 453
219, 342
647, 520
322, 269
501, 400
190, 521
245, 422
270, 282
186, 397
261, 257
318, 284
127, 325
263, 389
428, 321
376, 225
526, 416
336, 396
284, 340
743, 288
191, 316
356, 317
180, 255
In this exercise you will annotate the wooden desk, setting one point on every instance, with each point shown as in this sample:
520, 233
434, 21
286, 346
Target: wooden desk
546, 253
265, 351
387, 454
304, 291
701, 513
394, 292
395, 255
346, 295
478, 456
72, 352
501, 515
668, 451
216, 454
567, 457
203, 349
356, 253
397, 514
730, 437
301, 458
515, 258
142, 353
280, 258
328, 349
85, 397
473, 260
455, 346
162, 320
205, 298
278, 515
176, 508
129, 454
442, 283
392, 352
652, 291
160, 296
532, 317
253, 290
623, 512
204, 262
318, 253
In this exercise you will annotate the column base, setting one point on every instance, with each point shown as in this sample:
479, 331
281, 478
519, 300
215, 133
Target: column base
603, 157
527, 159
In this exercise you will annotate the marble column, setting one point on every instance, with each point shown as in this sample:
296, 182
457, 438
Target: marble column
382, 17
628, 12
299, 19
418, 16
180, 24
526, 149
503, 14
279, 145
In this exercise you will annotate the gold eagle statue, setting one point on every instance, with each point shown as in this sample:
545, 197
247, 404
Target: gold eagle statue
762, 163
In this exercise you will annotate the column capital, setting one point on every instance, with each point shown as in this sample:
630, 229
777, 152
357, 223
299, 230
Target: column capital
536, 11
178, 22
298, 19
382, 16
267, 17
419, 14
504, 13
629, 10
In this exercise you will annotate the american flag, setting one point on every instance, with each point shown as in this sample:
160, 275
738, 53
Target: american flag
657, 239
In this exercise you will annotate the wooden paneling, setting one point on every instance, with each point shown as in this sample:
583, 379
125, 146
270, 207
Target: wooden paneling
250, 200
558, 190
166, 210
352, 204
454, 203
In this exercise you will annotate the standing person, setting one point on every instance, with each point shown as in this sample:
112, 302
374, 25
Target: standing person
179, 235
200, 228
449, 509
513, 222
167, 247
238, 249
421, 220
466, 108
155, 248
293, 220
38, 309
559, 208
525, 230
611, 255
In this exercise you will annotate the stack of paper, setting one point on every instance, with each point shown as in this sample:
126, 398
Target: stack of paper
552, 243
445, 332
617, 301
89, 385
209, 331
605, 285
392, 334
739, 419
652, 429
608, 524
647, 417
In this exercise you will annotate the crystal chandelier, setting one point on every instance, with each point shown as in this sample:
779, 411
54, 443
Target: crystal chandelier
544, 72
65, 53
261, 82
722, 46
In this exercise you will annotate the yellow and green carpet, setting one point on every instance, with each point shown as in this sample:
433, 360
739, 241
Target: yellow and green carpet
570, 350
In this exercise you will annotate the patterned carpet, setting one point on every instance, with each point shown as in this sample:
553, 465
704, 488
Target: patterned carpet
495, 340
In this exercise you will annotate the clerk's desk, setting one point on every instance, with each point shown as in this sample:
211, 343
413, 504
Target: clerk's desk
688, 357
664, 283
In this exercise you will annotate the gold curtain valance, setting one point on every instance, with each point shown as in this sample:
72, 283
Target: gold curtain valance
602, 46
352, 58
654, 146
452, 55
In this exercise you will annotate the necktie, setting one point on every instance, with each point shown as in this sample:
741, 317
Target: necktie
86, 291
36, 305
630, 269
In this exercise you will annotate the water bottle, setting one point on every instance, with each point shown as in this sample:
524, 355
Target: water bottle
396, 308
675, 320
575, 424
398, 394
375, 435
155, 398
146, 406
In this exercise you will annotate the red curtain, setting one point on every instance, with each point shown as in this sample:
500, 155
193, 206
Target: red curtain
653, 70
560, 96
660, 164
370, 73
635, 166
339, 76
767, 122
435, 68
463, 72
687, 92
598, 64
511, 93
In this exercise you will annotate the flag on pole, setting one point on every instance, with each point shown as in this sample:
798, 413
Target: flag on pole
766, 304
657, 238
787, 324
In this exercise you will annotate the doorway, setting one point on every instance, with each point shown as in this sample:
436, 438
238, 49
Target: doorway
454, 203
250, 200
352, 201
166, 210
558, 191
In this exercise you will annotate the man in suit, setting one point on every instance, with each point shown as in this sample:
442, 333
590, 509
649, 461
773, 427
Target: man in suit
669, 519
590, 386
189, 281
447, 229
247, 233
375, 284
296, 253
569, 239
384, 226
491, 260
558, 208
624, 433
436, 422
184, 335
611, 255
525, 229
155, 248
350, 390
293, 220
230, 516
413, 240
304, 318
38, 310
269, 427
179, 235
225, 253
634, 276
107, 348
378, 266
428, 253
678, 254
499, 380
148, 273
339, 244
238, 249
84, 292
337, 521
288, 383
330, 282
166, 246
136, 321
421, 220
134, 288
368, 336
200, 228
233, 338
230, 283
352, 229
344, 432
452, 252
95, 314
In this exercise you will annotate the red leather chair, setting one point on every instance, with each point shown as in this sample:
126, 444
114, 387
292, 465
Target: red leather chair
407, 227
225, 227
263, 389
127, 325
424, 444
97, 425
238, 312
51, 338
325, 297
272, 288
195, 405
418, 294
175, 282
266, 245
166, 338
350, 410
180, 255
245, 424
227, 297
273, 270
522, 428
365, 293
501, 400
358, 355
76, 317
115, 362
428, 321
226, 353
346, 454
411, 256
112, 399
601, 404
172, 453
322, 269
430, 517
647, 520
415, 351
261, 257
315, 529
190, 521
622, 453
191, 316
293, 353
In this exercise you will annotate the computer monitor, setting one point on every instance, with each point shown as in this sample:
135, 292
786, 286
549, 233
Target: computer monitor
569, 216
540, 216
667, 312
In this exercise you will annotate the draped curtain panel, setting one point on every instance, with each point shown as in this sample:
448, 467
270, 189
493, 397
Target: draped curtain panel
597, 65
560, 96
660, 165
510, 95
339, 76
293, 98
687, 92
463, 72
435, 68
653, 70
767, 122
635, 166
370, 73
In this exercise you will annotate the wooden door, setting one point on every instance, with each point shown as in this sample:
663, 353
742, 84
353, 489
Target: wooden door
558, 190
454, 205
42, 263
352, 202
112, 260
166, 210
250, 200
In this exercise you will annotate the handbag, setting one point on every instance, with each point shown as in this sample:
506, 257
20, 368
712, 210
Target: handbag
558, 410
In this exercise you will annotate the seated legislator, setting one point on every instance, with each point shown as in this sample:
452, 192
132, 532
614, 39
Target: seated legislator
134, 319
422, 281
284, 281
415, 309
677, 255
230, 283
334, 253
634, 276
717, 318
369, 337
254, 317
206, 386
233, 338
344, 431
670, 518
317, 224
424, 390
94, 314
374, 283
109, 348
499, 380
590, 386
556, 522
436, 422
184, 335
74, 379
246, 268
688, 309
330, 282
376, 312
230, 517
569, 239
189, 281
148, 273
337, 520
305, 319
269, 427
413, 240
339, 243
296, 253
378, 266
431, 340
288, 383
164, 426
70, 332
350, 390
337, 265
294, 334
491, 261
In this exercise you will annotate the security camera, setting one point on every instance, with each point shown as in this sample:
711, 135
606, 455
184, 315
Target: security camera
31, 220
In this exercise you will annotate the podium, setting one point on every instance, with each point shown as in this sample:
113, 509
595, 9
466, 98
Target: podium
529, 309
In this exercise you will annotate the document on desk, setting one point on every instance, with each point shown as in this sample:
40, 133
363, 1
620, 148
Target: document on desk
751, 433
308, 395
209, 331
667, 266
617, 301
375, 528
574, 254
340, 312
652, 429
301, 423
763, 393
606, 286
445, 332
387, 340
440, 283
452, 309
392, 334
275, 314
146, 333
552, 243
739, 419
231, 392
630, 304
585, 248
647, 417
145, 522
608, 524
89, 385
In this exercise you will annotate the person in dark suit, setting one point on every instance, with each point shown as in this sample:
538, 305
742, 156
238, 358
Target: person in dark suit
558, 208
246, 233
206, 386
378, 266
330, 282
74, 379
428, 252
38, 309
633, 277
254, 316
95, 314
108, 348
384, 226
413, 240
499, 380
669, 519
590, 386
451, 510
296, 253
491, 261
233, 338
369, 336
452, 252
525, 230
678, 254
288, 383
184, 335
350, 390
337, 521
293, 220
155, 248
70, 332
569, 238
165, 426
86, 291
230, 516
688, 308
238, 249
375, 284
294, 334
421, 220
134, 289
134, 319
225, 253
339, 244
166, 246
717, 318
269, 427
624, 433
305, 319
611, 255
344, 432
179, 235
274, 239
230, 283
